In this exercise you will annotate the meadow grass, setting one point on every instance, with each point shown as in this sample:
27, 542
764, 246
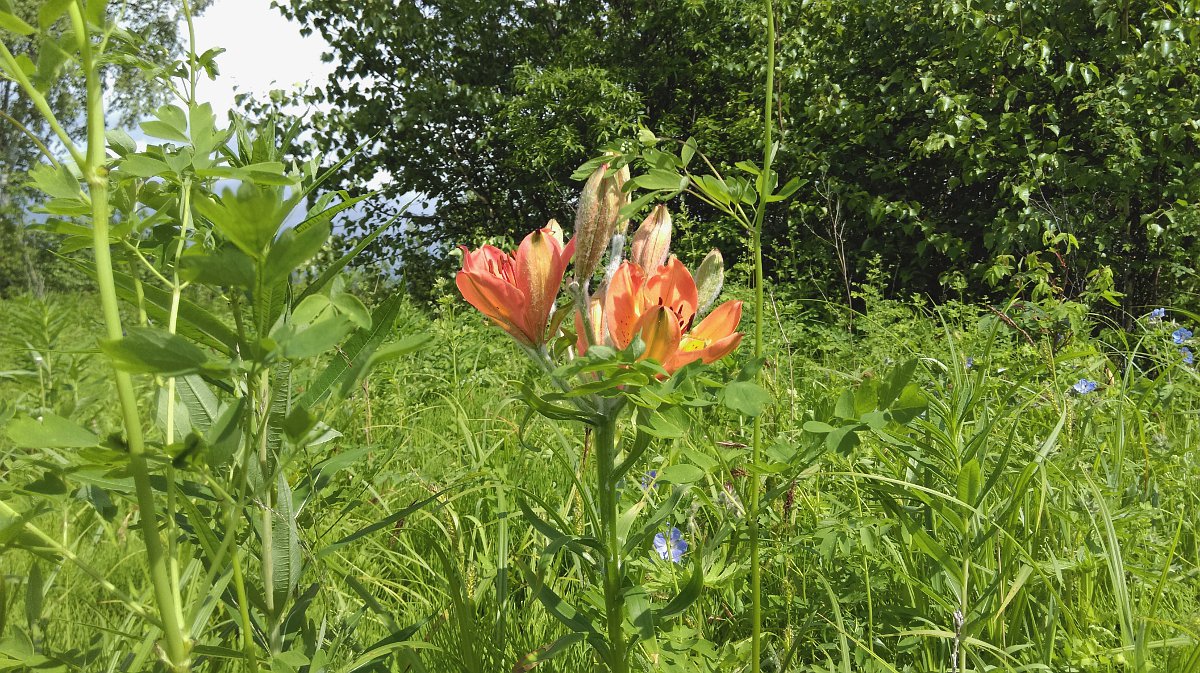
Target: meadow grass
1009, 524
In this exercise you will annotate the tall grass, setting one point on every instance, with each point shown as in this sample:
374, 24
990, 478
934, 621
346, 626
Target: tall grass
1013, 525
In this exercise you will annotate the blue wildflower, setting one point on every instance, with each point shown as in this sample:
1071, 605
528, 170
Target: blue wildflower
1187, 355
670, 545
970, 362
1158, 314
1181, 335
1084, 386
649, 479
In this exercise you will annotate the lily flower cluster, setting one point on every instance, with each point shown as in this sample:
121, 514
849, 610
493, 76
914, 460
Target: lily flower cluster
649, 301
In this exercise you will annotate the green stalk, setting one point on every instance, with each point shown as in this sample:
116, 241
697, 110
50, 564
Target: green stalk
756, 440
606, 456
96, 175
275, 636
177, 285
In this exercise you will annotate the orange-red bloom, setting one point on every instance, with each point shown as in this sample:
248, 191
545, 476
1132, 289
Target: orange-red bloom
517, 291
661, 309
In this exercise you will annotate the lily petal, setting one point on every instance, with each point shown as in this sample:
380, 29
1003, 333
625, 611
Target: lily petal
720, 323
672, 285
623, 304
497, 300
660, 331
539, 270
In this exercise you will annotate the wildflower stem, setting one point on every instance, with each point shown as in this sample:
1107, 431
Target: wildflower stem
96, 176
756, 440
606, 454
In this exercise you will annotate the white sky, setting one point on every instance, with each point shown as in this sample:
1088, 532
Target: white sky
264, 51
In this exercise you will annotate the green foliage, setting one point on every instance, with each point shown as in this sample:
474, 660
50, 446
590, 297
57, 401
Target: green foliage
514, 97
978, 148
980, 503
967, 132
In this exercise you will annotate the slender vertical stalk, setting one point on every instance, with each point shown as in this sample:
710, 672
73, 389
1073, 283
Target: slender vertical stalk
756, 441
96, 175
606, 455
275, 635
177, 285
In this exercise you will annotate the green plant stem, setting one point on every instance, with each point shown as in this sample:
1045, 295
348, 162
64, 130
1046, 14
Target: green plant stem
39, 102
177, 285
96, 176
239, 585
606, 456
275, 640
756, 440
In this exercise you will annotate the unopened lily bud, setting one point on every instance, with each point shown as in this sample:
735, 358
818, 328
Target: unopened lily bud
622, 198
652, 242
596, 218
555, 230
709, 279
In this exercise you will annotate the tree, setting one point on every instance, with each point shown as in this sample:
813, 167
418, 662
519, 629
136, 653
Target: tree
977, 146
964, 137
152, 24
486, 108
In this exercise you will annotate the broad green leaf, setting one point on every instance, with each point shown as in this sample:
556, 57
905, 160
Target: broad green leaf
658, 178
51, 11
142, 166
897, 380
315, 339
120, 142
843, 439
225, 267
14, 24
659, 425
250, 217
293, 249
745, 397
147, 350
57, 181
163, 130
50, 432
681, 474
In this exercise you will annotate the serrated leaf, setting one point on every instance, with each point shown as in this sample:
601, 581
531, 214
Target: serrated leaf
285, 544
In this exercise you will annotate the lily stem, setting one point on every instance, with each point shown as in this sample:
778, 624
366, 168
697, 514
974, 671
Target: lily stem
614, 606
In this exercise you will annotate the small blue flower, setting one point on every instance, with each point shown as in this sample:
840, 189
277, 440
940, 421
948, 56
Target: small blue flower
970, 362
1181, 335
1187, 355
1084, 386
649, 479
670, 545
1158, 314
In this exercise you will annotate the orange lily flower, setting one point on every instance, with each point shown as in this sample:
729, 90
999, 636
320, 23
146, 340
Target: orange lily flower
517, 291
661, 309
